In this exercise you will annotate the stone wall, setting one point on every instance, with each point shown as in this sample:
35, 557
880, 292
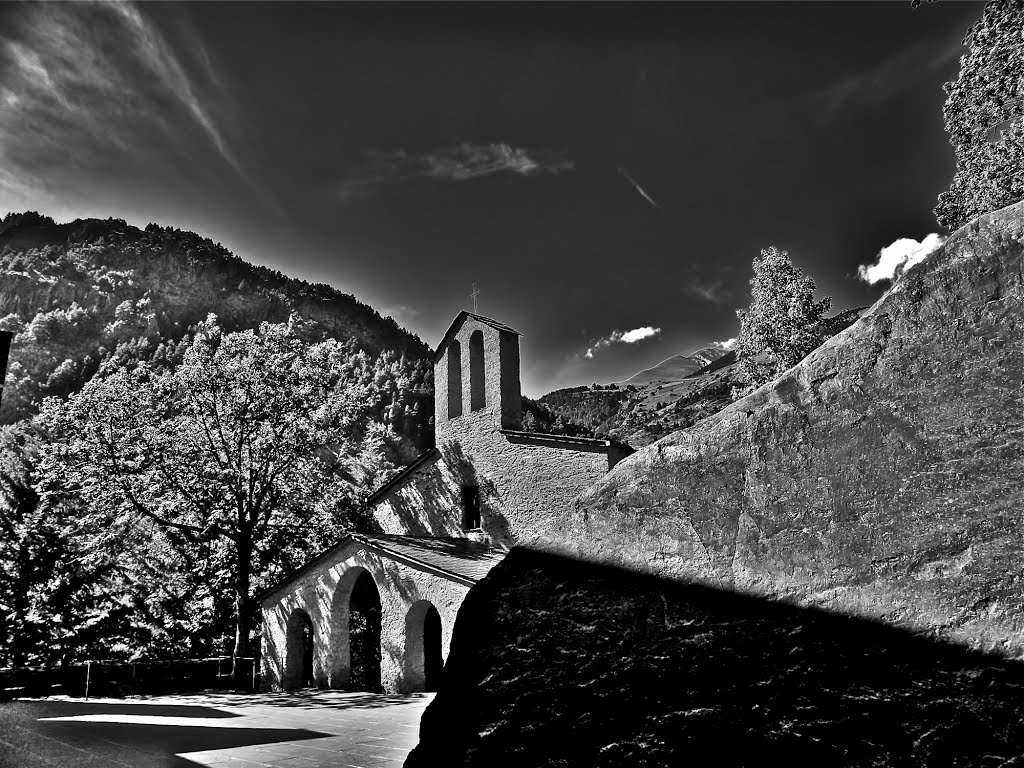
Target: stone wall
323, 591
527, 483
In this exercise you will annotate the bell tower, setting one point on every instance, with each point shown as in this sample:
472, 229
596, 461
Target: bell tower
476, 376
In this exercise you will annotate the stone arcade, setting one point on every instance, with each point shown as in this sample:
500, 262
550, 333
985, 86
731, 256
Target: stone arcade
444, 521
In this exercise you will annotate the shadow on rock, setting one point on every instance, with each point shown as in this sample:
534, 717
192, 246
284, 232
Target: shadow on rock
555, 661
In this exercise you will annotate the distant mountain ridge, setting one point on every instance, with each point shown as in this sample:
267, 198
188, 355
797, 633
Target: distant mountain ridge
679, 366
74, 293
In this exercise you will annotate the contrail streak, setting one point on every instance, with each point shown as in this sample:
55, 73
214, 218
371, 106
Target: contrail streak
638, 188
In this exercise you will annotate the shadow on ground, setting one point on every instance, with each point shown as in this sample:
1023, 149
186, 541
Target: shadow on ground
325, 699
559, 662
30, 737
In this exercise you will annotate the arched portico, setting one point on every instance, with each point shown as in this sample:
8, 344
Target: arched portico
355, 630
423, 662
374, 613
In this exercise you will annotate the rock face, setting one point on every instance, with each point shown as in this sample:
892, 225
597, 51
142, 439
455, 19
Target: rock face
827, 572
881, 476
557, 662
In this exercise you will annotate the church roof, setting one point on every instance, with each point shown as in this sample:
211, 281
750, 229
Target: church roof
462, 560
457, 323
419, 461
466, 558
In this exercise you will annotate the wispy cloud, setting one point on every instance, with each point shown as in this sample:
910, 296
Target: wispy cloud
884, 80
160, 60
621, 337
898, 257
728, 344
638, 188
462, 162
92, 90
712, 291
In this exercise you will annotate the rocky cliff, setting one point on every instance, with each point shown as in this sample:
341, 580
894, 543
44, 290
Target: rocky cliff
880, 476
826, 572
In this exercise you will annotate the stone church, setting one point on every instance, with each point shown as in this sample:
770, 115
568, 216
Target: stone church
376, 611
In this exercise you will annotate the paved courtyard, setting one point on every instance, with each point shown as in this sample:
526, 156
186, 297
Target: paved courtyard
306, 729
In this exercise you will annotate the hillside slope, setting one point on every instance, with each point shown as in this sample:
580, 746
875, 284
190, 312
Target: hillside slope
881, 476
678, 366
75, 292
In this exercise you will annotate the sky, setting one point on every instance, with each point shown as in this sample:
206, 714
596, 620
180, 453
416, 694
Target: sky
604, 173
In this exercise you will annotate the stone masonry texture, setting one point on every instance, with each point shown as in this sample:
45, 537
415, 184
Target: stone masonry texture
526, 486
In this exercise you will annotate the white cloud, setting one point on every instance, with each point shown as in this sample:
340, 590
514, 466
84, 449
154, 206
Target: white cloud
622, 337
728, 344
462, 162
470, 161
897, 258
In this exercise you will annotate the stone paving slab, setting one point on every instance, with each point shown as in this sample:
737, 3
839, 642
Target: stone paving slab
306, 729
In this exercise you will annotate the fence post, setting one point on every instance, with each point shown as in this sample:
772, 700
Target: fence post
88, 670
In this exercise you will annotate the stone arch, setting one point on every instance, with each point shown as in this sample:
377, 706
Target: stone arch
299, 646
454, 379
423, 661
356, 632
477, 382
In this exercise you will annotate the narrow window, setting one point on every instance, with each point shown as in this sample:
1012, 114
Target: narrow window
470, 508
454, 379
477, 398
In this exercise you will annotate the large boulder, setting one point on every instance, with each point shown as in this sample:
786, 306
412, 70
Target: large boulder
828, 572
882, 476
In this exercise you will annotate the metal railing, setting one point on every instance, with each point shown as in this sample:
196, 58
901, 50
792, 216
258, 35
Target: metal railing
125, 678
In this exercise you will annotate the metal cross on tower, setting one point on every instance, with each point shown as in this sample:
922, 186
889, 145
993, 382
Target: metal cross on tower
473, 296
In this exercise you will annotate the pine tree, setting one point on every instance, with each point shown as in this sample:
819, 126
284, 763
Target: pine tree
781, 325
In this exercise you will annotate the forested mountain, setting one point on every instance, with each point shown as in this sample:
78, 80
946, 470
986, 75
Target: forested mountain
114, 344
79, 293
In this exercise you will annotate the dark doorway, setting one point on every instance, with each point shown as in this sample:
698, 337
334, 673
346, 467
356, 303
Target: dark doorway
299, 659
364, 636
432, 661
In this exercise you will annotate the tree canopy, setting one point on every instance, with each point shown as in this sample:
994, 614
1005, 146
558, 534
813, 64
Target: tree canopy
984, 113
782, 324
236, 462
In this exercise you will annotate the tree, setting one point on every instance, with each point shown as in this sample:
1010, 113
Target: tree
252, 449
781, 326
984, 114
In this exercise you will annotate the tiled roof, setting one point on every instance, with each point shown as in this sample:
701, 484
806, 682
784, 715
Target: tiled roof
466, 558
416, 464
458, 321
462, 560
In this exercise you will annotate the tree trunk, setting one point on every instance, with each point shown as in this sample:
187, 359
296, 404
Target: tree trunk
243, 620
